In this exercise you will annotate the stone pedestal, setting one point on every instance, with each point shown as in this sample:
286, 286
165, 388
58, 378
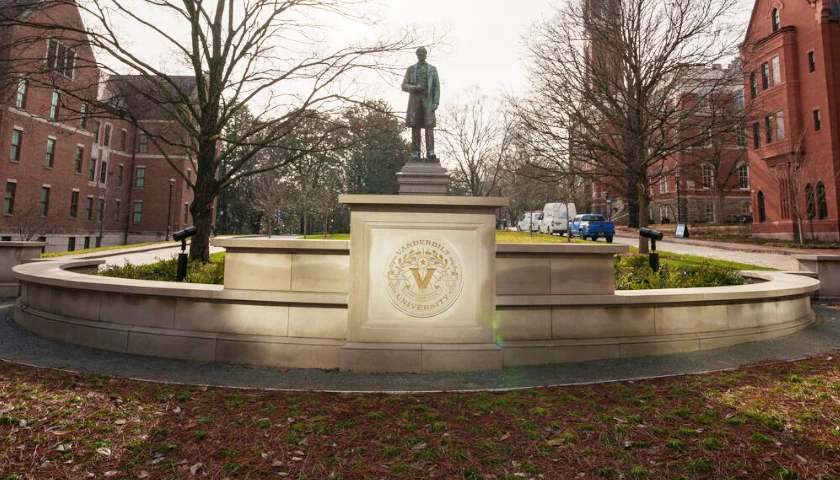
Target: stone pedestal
423, 178
422, 284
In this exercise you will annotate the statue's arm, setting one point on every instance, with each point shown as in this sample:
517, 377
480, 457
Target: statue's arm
407, 86
436, 90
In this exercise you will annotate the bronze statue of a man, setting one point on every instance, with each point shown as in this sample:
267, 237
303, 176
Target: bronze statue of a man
423, 85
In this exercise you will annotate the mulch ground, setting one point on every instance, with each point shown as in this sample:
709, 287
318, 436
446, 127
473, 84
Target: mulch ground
762, 421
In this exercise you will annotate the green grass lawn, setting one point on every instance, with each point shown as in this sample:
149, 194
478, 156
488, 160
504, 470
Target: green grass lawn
759, 422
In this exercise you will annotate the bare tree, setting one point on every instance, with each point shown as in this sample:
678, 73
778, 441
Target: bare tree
791, 177
613, 87
236, 53
477, 135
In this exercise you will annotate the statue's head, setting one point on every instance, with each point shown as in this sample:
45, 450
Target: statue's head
421, 54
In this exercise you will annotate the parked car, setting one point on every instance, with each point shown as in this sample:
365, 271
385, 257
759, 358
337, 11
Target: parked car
592, 225
744, 217
555, 217
526, 222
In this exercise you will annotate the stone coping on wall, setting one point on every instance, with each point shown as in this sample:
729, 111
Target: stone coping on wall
560, 248
264, 243
769, 285
61, 274
817, 257
427, 201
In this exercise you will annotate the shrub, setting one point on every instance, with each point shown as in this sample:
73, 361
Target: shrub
167, 271
633, 272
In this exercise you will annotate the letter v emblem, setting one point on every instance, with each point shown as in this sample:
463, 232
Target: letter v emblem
423, 283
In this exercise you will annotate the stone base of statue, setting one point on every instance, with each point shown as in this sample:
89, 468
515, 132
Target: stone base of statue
423, 178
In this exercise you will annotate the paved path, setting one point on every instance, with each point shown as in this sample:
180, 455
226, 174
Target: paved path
20, 346
768, 257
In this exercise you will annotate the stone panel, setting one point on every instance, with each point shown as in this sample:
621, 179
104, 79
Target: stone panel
753, 314
460, 358
277, 354
311, 322
83, 304
690, 319
582, 275
40, 297
46, 327
381, 358
172, 345
523, 275
258, 271
791, 309
324, 272
596, 322
549, 354
103, 338
145, 311
524, 323
245, 319
664, 347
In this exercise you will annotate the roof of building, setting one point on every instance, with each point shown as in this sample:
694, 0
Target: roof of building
149, 97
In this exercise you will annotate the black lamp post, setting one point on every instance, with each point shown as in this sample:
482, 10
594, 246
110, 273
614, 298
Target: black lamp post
169, 210
679, 209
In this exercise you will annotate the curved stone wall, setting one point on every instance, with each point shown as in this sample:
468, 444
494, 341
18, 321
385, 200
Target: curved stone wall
549, 309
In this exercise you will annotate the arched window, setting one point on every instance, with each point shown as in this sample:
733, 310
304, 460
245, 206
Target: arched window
810, 204
762, 214
776, 20
822, 203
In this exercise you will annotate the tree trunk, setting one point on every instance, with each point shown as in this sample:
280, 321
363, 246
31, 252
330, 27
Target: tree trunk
205, 192
642, 217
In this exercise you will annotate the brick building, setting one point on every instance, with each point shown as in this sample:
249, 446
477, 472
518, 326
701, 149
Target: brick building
791, 56
73, 175
713, 173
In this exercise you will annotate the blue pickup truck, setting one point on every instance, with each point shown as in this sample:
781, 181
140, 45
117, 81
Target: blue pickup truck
592, 225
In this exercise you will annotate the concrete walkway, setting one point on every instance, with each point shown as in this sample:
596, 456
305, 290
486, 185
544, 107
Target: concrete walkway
20, 346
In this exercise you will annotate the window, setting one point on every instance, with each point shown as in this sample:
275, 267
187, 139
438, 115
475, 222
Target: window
92, 170
106, 140
74, 204
54, 102
140, 181
784, 197
753, 86
17, 140
45, 201
738, 99
706, 172
116, 210
744, 176
100, 209
87, 243
710, 212
780, 125
765, 76
756, 136
103, 172
138, 212
48, 159
123, 136
77, 163
817, 121
663, 187
119, 175
20, 96
83, 115
96, 125
822, 203
810, 204
775, 20
741, 136
71, 244
88, 208
144, 143
812, 62
768, 128
187, 208
60, 58
98, 241
703, 98
9, 200
777, 70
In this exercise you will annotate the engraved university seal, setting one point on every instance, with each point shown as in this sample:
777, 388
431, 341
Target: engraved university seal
424, 277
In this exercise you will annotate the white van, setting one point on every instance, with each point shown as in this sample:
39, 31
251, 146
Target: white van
556, 217
525, 222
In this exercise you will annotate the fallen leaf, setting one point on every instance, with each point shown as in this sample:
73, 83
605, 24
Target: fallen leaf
121, 421
419, 446
555, 442
111, 473
64, 447
104, 451
143, 474
195, 468
505, 436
